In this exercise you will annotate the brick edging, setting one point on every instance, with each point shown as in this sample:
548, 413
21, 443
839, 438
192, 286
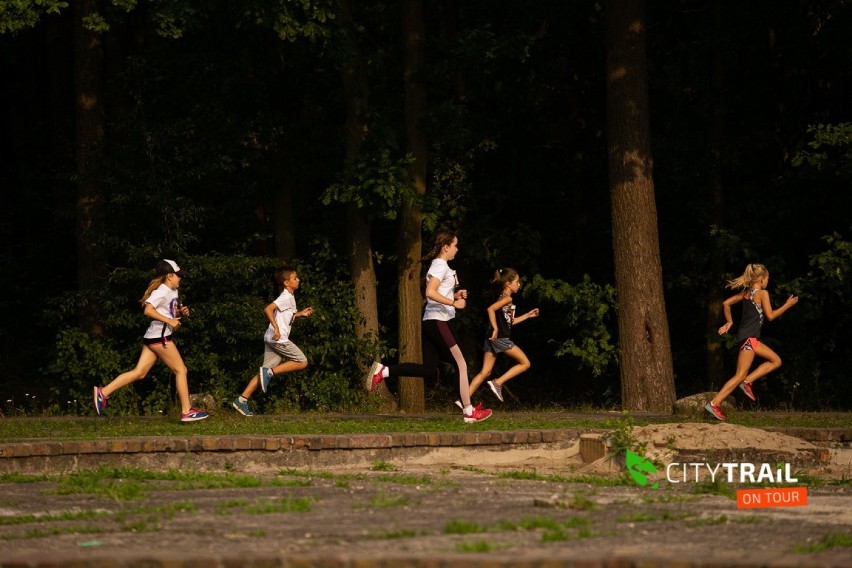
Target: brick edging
183, 444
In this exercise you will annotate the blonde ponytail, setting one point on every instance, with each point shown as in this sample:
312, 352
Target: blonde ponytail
753, 273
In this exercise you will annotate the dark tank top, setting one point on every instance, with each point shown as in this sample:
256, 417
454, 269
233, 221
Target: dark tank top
752, 319
505, 319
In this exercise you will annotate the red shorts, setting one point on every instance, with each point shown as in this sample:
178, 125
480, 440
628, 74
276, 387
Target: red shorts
750, 344
157, 341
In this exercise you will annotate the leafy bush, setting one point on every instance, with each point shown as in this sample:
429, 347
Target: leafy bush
221, 342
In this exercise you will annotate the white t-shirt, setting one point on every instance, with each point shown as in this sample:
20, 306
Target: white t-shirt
164, 300
441, 270
285, 312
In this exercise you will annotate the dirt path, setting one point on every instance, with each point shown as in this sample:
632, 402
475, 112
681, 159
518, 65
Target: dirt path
412, 511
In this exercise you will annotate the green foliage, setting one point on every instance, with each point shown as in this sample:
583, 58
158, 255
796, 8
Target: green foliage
825, 309
621, 439
222, 340
376, 183
583, 313
830, 149
18, 15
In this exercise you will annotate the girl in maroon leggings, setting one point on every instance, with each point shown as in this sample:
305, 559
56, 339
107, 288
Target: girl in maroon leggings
438, 332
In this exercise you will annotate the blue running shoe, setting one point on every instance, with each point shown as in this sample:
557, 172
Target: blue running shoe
242, 407
193, 415
265, 375
100, 400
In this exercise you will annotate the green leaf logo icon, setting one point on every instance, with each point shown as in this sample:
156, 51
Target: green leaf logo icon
640, 468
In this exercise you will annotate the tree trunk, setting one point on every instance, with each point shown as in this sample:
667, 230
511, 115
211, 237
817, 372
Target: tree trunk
285, 235
411, 393
647, 377
715, 361
359, 245
89, 149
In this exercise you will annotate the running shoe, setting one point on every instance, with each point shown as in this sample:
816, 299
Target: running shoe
497, 389
375, 377
100, 400
265, 375
478, 415
242, 407
746, 388
716, 411
193, 415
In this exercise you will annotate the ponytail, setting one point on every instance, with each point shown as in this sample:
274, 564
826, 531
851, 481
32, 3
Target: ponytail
152, 285
502, 276
753, 273
443, 237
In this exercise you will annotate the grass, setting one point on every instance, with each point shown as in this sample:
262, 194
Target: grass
829, 541
226, 423
382, 500
475, 546
460, 526
597, 480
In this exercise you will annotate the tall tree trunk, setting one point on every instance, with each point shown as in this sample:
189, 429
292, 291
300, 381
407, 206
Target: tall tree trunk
285, 235
411, 394
89, 148
715, 361
358, 241
647, 377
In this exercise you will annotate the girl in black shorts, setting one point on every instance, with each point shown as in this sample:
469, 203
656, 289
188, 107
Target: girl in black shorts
501, 316
756, 306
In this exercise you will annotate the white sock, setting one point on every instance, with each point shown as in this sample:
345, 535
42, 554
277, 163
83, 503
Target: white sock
243, 399
385, 372
468, 409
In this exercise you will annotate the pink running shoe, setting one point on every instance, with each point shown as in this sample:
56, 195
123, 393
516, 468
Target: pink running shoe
478, 415
746, 388
716, 411
375, 377
100, 400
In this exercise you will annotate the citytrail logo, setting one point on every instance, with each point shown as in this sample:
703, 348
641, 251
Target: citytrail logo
642, 470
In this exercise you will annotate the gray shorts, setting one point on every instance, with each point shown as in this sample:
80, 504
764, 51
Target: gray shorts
498, 345
274, 353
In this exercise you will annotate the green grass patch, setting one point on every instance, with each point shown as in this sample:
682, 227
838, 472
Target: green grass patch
637, 517
460, 526
53, 517
829, 541
382, 500
584, 479
227, 423
383, 466
475, 546
287, 504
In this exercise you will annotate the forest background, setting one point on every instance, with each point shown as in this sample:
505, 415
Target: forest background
234, 136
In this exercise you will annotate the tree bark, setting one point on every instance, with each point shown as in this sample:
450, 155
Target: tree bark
647, 377
285, 235
410, 300
358, 240
89, 151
